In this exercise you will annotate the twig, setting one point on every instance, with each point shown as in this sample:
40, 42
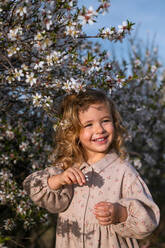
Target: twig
17, 244
3, 56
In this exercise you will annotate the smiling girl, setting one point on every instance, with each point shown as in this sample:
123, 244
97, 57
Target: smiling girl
101, 199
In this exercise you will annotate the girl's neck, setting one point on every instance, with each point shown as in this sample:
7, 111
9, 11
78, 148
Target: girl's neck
94, 159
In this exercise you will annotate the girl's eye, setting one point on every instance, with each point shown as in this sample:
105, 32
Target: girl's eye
107, 120
88, 125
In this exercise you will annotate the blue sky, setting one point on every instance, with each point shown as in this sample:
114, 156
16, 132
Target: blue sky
148, 15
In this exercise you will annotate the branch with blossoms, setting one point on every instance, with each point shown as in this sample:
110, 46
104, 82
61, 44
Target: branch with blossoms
45, 38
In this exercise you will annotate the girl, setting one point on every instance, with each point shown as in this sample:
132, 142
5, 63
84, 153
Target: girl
101, 199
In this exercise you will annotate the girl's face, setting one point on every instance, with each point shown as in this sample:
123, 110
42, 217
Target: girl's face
97, 132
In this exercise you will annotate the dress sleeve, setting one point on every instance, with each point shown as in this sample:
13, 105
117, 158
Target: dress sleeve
36, 186
143, 213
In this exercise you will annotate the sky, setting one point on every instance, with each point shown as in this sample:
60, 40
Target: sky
148, 16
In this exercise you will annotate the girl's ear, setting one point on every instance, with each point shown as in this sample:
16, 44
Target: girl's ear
78, 141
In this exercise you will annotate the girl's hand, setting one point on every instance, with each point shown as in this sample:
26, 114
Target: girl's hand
110, 213
69, 176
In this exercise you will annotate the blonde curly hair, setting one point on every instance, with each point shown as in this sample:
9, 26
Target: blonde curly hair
68, 150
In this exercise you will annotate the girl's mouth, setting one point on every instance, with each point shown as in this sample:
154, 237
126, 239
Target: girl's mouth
100, 140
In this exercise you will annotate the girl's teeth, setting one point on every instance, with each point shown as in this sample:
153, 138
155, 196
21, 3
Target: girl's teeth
100, 139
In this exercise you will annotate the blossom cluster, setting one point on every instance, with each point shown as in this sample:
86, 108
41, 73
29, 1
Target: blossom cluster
21, 144
143, 114
113, 34
36, 55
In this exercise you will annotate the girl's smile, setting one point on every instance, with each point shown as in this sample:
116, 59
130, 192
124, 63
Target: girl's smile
97, 132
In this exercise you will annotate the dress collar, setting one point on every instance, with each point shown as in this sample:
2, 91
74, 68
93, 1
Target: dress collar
100, 165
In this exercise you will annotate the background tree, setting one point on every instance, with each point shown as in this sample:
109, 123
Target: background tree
144, 116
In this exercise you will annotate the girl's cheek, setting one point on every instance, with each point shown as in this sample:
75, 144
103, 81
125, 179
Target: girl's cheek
85, 133
113, 130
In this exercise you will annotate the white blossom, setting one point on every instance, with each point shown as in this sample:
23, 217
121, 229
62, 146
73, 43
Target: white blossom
10, 79
37, 99
12, 50
122, 27
10, 196
24, 67
95, 66
21, 10
2, 197
107, 32
105, 5
47, 101
9, 224
5, 175
39, 65
64, 124
30, 78
54, 57
22, 193
88, 16
48, 22
23, 146
18, 74
137, 62
21, 210
39, 36
73, 85
10, 134
49, 59
137, 163
153, 68
72, 31
4, 159
14, 32
119, 81
46, 43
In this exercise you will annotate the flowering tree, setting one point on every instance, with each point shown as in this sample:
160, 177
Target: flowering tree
144, 117
44, 54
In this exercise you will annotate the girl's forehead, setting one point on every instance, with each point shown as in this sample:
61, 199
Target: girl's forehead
100, 106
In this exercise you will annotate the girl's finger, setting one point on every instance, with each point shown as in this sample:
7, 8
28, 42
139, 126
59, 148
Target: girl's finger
102, 213
103, 204
68, 181
71, 177
103, 219
74, 175
100, 203
102, 208
80, 176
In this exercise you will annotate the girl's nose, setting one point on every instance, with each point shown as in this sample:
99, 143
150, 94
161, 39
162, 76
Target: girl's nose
99, 128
